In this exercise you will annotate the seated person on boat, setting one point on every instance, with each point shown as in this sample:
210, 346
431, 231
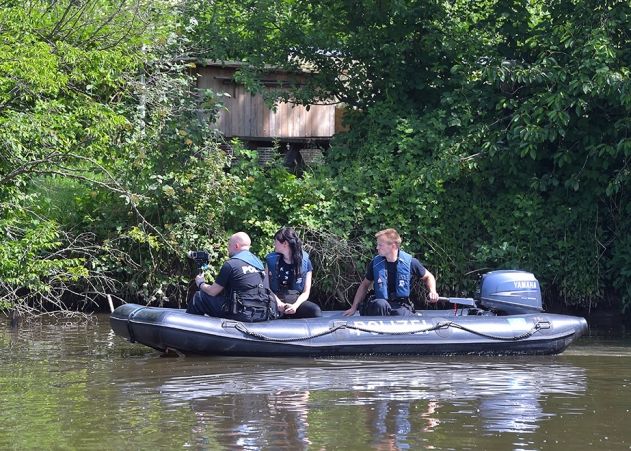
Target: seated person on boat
390, 273
239, 291
290, 271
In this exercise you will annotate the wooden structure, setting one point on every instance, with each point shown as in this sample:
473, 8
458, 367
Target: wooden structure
246, 116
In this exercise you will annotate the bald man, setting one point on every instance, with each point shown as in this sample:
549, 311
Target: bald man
239, 291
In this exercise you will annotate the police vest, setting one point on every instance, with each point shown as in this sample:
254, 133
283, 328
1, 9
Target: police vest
273, 263
256, 294
250, 259
404, 274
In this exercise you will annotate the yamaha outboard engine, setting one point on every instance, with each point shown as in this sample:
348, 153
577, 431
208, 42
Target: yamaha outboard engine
511, 292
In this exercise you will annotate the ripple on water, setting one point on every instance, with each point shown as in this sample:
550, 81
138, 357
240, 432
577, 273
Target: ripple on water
82, 387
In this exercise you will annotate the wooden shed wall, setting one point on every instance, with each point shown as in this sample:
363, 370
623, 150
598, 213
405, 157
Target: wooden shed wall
246, 115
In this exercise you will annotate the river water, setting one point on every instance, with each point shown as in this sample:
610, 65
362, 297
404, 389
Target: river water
74, 385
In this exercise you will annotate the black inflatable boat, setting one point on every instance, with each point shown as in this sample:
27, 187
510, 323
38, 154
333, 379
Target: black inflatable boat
506, 319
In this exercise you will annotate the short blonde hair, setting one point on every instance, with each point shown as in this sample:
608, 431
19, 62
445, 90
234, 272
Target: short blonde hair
391, 235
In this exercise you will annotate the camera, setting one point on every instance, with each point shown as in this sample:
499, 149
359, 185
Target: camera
201, 258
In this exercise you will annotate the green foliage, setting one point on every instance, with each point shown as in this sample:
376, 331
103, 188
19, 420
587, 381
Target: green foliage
408, 166
620, 263
363, 40
70, 92
270, 196
30, 259
490, 134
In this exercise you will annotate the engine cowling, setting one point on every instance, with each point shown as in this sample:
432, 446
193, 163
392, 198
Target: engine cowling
511, 292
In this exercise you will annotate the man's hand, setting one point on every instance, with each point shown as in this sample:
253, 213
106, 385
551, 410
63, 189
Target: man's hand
360, 295
430, 283
199, 279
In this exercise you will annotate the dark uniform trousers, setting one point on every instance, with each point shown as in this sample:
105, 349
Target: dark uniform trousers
382, 307
307, 309
219, 307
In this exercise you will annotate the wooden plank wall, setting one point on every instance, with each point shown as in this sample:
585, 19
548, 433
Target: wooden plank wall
246, 115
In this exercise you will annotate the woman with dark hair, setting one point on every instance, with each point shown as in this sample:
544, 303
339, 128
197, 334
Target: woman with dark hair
290, 270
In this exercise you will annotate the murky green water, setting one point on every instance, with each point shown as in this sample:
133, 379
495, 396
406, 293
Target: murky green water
77, 386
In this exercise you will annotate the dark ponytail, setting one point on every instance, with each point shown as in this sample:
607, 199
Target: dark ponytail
288, 235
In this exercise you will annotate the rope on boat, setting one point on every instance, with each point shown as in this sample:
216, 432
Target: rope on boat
539, 325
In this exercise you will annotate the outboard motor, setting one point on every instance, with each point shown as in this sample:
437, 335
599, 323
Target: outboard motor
511, 292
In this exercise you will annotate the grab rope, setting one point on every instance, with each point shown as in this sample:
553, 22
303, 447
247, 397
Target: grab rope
539, 325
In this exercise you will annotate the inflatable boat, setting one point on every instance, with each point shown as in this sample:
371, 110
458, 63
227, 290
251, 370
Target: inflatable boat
506, 319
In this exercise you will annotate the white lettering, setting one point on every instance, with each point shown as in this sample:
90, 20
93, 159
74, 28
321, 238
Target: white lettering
393, 325
525, 284
248, 269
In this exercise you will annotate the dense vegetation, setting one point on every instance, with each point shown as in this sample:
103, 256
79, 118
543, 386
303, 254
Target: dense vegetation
491, 134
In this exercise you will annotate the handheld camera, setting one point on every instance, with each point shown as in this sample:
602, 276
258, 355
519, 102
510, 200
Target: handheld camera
201, 259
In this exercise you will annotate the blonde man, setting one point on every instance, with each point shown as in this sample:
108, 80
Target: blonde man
390, 273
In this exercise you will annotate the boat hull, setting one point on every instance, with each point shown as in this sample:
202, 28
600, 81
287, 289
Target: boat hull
434, 332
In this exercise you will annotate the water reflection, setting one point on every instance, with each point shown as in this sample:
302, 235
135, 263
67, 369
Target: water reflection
398, 379
271, 404
79, 387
